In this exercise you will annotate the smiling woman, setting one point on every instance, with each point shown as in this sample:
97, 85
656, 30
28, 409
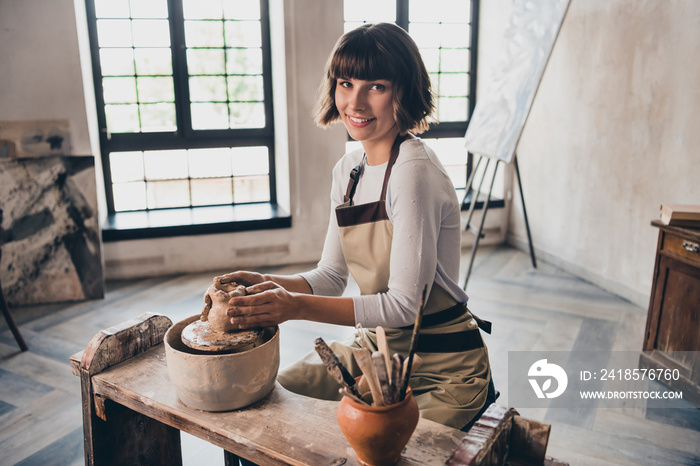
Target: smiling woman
395, 226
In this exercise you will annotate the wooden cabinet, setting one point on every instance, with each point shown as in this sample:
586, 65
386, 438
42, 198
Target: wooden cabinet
672, 338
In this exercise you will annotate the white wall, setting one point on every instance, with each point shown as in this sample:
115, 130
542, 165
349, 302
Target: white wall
613, 133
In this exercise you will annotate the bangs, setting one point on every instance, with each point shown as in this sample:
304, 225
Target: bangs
362, 57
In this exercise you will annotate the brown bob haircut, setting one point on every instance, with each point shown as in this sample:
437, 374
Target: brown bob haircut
379, 51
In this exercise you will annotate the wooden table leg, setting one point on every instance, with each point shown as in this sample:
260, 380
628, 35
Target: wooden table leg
128, 437
114, 434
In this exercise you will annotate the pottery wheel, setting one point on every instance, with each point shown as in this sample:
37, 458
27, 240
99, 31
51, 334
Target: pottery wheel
199, 335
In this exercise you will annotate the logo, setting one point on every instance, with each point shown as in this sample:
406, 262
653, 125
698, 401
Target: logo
552, 371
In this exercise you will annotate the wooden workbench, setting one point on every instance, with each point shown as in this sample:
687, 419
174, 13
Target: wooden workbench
131, 415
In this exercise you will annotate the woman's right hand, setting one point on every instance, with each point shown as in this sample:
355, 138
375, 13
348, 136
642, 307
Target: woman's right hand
241, 277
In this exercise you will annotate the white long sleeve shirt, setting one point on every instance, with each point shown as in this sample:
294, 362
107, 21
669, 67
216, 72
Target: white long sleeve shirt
425, 213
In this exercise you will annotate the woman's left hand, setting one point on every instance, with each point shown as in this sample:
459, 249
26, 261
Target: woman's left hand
266, 304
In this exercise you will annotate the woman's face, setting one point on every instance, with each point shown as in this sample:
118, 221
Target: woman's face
366, 108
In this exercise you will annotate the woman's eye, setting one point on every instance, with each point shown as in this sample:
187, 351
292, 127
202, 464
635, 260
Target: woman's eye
378, 87
347, 84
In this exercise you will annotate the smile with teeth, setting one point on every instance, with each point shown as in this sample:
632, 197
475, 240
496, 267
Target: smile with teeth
359, 120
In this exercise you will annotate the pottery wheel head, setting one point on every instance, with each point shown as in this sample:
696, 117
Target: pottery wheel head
199, 335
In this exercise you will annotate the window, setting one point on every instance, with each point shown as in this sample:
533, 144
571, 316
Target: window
184, 101
445, 32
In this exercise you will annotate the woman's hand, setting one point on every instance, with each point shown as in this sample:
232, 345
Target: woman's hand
241, 277
266, 304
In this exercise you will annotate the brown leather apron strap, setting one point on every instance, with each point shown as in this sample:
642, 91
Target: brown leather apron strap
456, 342
452, 313
352, 184
356, 172
392, 160
440, 317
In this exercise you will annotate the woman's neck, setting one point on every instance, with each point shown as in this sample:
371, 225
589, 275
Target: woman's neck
379, 151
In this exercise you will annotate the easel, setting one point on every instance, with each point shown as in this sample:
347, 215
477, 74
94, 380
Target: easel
475, 198
500, 115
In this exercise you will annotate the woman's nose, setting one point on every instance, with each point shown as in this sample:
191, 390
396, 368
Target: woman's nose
358, 100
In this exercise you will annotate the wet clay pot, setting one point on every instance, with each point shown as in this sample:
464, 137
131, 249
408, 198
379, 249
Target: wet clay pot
378, 434
221, 382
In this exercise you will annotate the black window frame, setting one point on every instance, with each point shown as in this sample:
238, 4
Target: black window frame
184, 137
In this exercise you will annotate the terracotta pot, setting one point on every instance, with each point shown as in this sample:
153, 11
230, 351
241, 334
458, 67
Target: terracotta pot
378, 434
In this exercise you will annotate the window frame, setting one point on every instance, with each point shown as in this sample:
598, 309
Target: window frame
184, 137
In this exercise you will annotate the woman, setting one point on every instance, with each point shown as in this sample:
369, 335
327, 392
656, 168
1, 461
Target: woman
395, 226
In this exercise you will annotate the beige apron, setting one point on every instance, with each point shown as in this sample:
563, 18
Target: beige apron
451, 384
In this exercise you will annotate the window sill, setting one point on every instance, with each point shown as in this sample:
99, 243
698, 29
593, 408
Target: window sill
494, 202
194, 221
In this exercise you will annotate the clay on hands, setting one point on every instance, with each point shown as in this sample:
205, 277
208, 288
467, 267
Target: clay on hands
216, 304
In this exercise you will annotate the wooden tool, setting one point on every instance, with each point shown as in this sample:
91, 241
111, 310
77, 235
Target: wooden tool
417, 361
364, 361
383, 347
364, 339
396, 380
334, 367
345, 392
382, 376
414, 343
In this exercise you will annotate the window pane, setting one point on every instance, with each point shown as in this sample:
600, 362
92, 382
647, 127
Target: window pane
205, 61
370, 11
165, 164
209, 116
245, 115
151, 33
431, 58
452, 108
245, 88
155, 89
202, 9
424, 11
453, 156
122, 118
118, 90
454, 84
116, 62
441, 11
112, 8
251, 161
164, 194
425, 35
241, 9
149, 9
243, 34
455, 60
114, 32
153, 61
126, 166
207, 88
158, 117
244, 61
129, 196
454, 35
455, 11
204, 34
212, 191
251, 189
458, 175
209, 163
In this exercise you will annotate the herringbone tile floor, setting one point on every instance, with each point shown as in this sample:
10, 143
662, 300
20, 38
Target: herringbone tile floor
531, 309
